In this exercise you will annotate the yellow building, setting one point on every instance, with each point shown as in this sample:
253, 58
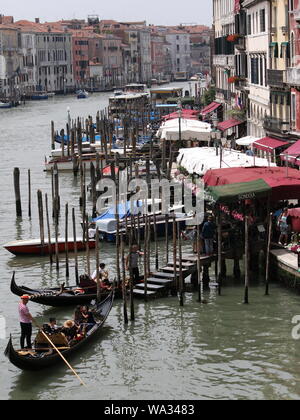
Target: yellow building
278, 122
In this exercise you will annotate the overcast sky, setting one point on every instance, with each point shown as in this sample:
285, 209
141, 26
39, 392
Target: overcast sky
164, 12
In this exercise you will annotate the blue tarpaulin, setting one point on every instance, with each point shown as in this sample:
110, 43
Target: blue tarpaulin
124, 209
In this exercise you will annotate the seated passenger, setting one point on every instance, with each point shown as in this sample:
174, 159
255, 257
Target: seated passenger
88, 319
69, 330
52, 327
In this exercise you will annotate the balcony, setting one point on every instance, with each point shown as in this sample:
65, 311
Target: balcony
241, 84
276, 78
241, 44
277, 126
293, 76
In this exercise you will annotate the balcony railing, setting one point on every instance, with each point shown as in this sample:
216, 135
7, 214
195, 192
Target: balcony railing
276, 78
277, 125
293, 76
241, 44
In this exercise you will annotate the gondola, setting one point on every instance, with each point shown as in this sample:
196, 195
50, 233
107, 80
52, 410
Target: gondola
72, 296
40, 359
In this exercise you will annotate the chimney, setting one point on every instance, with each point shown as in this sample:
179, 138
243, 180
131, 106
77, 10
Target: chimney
37, 20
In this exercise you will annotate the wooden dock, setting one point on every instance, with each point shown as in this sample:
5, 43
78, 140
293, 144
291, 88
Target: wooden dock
162, 283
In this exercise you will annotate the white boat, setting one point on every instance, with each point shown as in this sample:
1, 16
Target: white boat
5, 105
82, 94
119, 105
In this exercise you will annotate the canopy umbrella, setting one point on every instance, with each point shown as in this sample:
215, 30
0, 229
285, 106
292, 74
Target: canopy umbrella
246, 141
292, 154
284, 185
240, 191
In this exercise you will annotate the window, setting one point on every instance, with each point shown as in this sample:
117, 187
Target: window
293, 107
249, 25
262, 20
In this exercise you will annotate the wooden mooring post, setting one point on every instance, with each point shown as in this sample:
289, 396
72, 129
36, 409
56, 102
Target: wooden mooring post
124, 286
17, 192
246, 297
66, 239
41, 219
75, 247
268, 255
29, 194
48, 229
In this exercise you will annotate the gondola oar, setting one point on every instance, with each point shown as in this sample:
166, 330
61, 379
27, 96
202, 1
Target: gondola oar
56, 349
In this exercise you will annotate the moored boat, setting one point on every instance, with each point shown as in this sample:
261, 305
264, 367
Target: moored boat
82, 94
39, 97
35, 247
35, 360
71, 296
5, 105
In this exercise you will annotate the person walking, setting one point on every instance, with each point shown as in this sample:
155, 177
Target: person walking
132, 263
25, 322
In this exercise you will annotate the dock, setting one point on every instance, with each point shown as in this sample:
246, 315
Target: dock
162, 283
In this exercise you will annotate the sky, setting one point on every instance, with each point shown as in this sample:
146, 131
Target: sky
158, 12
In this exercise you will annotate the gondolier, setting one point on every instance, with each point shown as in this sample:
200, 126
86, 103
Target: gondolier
132, 263
25, 322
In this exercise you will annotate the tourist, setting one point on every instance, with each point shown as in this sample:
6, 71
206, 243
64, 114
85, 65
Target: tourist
208, 234
132, 263
52, 327
284, 227
25, 322
249, 152
69, 330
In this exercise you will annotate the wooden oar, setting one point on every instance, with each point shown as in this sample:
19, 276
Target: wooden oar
56, 349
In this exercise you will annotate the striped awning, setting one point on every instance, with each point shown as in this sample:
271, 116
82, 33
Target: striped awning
225, 125
210, 108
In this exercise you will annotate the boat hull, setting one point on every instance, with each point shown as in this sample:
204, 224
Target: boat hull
35, 248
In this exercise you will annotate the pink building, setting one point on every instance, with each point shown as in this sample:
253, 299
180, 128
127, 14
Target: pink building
293, 73
87, 48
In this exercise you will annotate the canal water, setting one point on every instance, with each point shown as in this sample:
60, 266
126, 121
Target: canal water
222, 349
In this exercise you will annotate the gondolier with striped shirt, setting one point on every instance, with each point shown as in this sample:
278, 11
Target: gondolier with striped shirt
25, 322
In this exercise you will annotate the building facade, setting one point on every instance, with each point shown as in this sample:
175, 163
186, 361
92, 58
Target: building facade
293, 72
258, 59
223, 59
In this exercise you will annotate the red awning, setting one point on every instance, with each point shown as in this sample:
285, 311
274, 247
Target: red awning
225, 125
210, 108
292, 154
188, 114
268, 144
285, 184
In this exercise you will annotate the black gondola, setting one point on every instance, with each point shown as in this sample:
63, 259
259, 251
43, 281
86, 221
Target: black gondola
71, 296
41, 359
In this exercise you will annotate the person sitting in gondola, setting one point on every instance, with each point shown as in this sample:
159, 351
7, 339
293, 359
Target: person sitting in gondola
52, 327
78, 318
88, 319
102, 272
70, 330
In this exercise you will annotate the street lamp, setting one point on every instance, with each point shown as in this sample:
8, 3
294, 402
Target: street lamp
179, 104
